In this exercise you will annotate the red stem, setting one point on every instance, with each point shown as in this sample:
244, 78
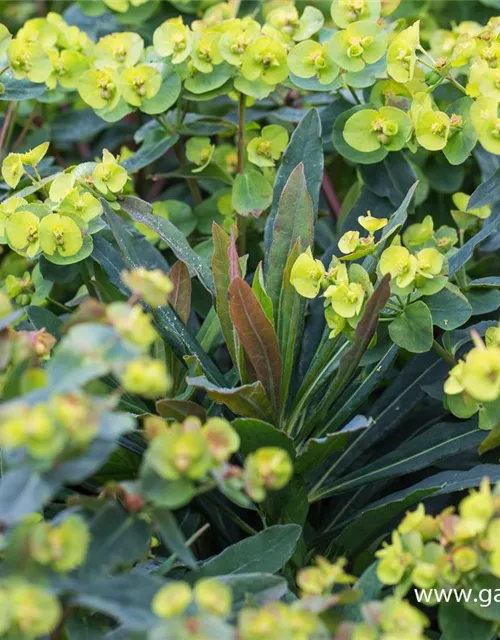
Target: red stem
330, 195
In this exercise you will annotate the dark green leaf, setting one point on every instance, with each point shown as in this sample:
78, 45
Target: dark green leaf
267, 551
412, 329
449, 308
172, 536
148, 153
457, 623
487, 193
256, 433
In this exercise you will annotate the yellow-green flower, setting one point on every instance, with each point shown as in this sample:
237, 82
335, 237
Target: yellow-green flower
400, 264
461, 201
34, 156
173, 38
81, 204
234, 42
147, 377
176, 454
307, 274
132, 323
153, 286
60, 234
401, 54
99, 88
21, 231
419, 233
453, 384
267, 468
34, 611
7, 208
394, 561
335, 322
265, 149
286, 20
265, 59
399, 619
172, 599
12, 169
368, 129
429, 263
432, 130
67, 68
29, 60
199, 151
346, 299
349, 242
484, 116
222, 439
139, 83
61, 546
360, 44
205, 52
109, 175
345, 12
213, 596
481, 373
310, 59
372, 224
118, 50
475, 511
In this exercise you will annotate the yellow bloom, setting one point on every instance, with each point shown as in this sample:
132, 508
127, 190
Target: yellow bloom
307, 274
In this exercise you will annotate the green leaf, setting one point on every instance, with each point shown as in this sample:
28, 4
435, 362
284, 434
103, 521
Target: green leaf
483, 300
457, 623
23, 492
412, 329
462, 143
258, 338
141, 211
167, 95
126, 598
318, 450
41, 318
449, 307
487, 608
191, 172
305, 146
85, 251
487, 193
294, 221
364, 333
261, 294
148, 153
179, 410
443, 441
267, 551
291, 318
252, 193
465, 253
391, 178
249, 400
16, 90
256, 587
371, 522
117, 539
339, 143
257, 433
222, 278
172, 536
76, 125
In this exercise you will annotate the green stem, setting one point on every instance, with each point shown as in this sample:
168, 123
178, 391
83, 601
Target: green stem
442, 353
242, 222
6, 123
354, 95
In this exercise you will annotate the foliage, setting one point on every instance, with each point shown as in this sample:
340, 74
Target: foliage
249, 339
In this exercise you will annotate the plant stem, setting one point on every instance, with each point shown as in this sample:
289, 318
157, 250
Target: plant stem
25, 129
442, 353
6, 123
354, 95
331, 196
192, 184
242, 222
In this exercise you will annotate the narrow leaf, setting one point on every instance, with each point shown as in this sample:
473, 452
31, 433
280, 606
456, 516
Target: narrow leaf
258, 338
172, 536
141, 212
180, 298
249, 400
294, 220
487, 193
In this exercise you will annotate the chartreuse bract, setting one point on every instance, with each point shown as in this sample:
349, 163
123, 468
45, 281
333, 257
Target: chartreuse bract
249, 342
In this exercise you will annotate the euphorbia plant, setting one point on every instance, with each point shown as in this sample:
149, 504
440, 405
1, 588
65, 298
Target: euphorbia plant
248, 319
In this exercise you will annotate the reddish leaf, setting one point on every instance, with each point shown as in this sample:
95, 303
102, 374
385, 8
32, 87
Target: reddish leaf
180, 298
180, 409
258, 338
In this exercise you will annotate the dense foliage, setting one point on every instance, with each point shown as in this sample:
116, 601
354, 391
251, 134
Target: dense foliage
249, 338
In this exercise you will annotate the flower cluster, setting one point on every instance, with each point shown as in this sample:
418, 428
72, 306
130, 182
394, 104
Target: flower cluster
187, 456
446, 550
27, 610
59, 226
50, 431
473, 385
